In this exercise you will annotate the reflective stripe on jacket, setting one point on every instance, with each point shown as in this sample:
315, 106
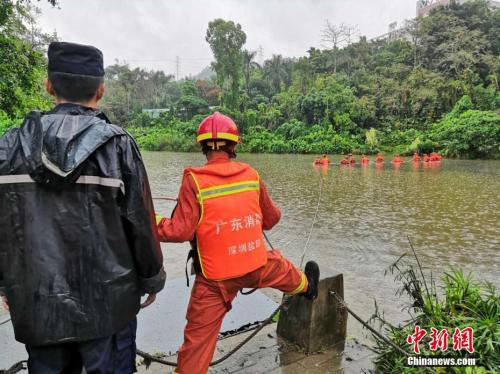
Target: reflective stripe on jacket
229, 232
79, 244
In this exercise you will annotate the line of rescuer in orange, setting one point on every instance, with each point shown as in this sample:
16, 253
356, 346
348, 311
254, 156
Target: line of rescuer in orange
379, 159
222, 209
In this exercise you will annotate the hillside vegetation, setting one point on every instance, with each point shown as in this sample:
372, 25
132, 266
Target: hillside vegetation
436, 90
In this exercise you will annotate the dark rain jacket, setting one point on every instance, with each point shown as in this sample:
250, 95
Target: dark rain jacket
78, 242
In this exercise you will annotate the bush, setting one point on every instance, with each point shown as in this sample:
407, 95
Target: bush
371, 139
170, 138
471, 134
292, 130
426, 146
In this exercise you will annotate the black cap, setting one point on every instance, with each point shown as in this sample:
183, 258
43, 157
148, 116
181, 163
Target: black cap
75, 58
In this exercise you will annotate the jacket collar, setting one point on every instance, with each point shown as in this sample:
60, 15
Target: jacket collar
78, 110
219, 157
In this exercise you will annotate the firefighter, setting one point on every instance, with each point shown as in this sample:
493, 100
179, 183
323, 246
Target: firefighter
435, 156
397, 159
222, 209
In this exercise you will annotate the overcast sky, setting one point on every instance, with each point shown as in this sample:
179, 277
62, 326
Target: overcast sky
152, 33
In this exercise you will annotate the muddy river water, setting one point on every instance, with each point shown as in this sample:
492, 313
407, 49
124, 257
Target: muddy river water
450, 211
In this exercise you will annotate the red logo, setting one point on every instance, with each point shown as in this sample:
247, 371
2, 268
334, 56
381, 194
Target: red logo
462, 339
415, 338
439, 340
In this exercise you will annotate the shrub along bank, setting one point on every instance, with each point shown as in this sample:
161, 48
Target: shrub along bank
463, 133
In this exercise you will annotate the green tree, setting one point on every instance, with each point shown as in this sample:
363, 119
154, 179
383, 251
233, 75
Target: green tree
248, 65
226, 40
22, 59
449, 46
275, 71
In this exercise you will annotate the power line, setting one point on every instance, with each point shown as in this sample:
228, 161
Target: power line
177, 67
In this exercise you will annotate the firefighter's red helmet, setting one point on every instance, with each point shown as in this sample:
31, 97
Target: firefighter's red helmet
217, 126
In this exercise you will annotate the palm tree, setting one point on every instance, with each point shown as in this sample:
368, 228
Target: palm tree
274, 71
305, 73
249, 64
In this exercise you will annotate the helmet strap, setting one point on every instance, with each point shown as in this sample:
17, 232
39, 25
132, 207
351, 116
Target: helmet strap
216, 145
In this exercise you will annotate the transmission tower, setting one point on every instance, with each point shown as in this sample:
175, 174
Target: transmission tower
260, 53
177, 67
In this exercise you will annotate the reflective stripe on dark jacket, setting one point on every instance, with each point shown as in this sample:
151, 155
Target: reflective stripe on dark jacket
79, 243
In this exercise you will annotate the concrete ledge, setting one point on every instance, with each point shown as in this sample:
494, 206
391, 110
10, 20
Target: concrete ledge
316, 325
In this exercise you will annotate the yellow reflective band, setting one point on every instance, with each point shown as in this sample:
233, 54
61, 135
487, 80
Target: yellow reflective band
301, 286
198, 196
220, 135
228, 189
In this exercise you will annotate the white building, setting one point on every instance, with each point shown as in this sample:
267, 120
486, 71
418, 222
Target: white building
425, 6
423, 9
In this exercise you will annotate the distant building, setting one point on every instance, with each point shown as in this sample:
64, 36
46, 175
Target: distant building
155, 113
423, 9
396, 33
425, 6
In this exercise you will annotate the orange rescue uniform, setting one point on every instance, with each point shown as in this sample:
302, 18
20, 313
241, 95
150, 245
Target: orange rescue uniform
225, 207
435, 156
229, 232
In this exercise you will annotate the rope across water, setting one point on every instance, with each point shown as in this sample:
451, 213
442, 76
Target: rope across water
306, 246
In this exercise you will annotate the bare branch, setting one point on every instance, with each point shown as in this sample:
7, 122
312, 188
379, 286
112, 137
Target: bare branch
351, 33
333, 35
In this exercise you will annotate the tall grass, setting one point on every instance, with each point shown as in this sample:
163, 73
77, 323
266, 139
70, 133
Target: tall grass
458, 302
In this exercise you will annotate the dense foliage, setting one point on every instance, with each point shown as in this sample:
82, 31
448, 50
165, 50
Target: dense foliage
436, 89
390, 95
459, 303
22, 62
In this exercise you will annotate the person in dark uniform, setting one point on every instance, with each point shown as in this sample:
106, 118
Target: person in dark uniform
79, 245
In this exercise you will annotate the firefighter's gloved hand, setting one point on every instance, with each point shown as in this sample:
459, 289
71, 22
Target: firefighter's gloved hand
149, 300
159, 218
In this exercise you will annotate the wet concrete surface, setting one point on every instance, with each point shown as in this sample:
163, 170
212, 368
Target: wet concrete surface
10, 350
267, 353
